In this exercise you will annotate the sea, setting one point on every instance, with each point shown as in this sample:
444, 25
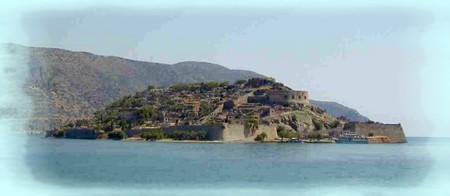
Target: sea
106, 167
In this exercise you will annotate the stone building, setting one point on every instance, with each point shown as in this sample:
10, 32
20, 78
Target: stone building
281, 97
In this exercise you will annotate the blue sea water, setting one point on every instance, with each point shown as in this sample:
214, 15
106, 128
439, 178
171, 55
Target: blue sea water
100, 167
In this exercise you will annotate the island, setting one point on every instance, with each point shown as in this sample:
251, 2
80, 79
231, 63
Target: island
254, 110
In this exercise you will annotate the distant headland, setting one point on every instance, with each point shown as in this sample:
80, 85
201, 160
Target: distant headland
248, 110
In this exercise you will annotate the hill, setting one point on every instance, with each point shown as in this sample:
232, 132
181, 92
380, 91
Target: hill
215, 110
336, 110
67, 85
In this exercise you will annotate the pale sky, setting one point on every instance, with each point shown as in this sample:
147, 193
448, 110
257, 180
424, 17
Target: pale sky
385, 60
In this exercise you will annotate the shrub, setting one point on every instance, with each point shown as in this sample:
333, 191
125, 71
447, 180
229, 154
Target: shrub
294, 118
188, 135
261, 137
335, 124
205, 109
370, 134
316, 136
156, 135
297, 135
145, 112
117, 135
241, 81
318, 125
123, 124
251, 121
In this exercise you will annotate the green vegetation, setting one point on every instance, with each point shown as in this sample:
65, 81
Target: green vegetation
297, 135
206, 108
370, 134
315, 136
145, 112
282, 133
198, 86
241, 81
261, 137
318, 125
155, 135
117, 135
187, 135
252, 122
336, 124
211, 122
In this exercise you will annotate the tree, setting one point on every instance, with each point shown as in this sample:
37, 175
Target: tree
145, 112
282, 132
155, 135
315, 136
370, 134
335, 124
123, 124
261, 137
117, 135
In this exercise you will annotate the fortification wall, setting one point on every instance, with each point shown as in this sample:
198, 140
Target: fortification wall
137, 132
235, 132
239, 132
80, 133
393, 131
224, 132
213, 132
281, 97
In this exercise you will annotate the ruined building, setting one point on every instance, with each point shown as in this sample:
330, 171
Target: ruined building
280, 97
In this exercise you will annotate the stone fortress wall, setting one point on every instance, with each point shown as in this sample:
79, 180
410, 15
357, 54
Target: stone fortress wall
223, 132
281, 97
392, 131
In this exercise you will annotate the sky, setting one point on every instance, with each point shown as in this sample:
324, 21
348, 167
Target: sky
386, 60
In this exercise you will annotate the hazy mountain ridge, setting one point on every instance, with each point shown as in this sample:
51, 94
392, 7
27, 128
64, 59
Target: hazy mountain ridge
336, 110
65, 85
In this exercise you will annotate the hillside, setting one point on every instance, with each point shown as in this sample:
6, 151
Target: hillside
67, 85
336, 110
243, 108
